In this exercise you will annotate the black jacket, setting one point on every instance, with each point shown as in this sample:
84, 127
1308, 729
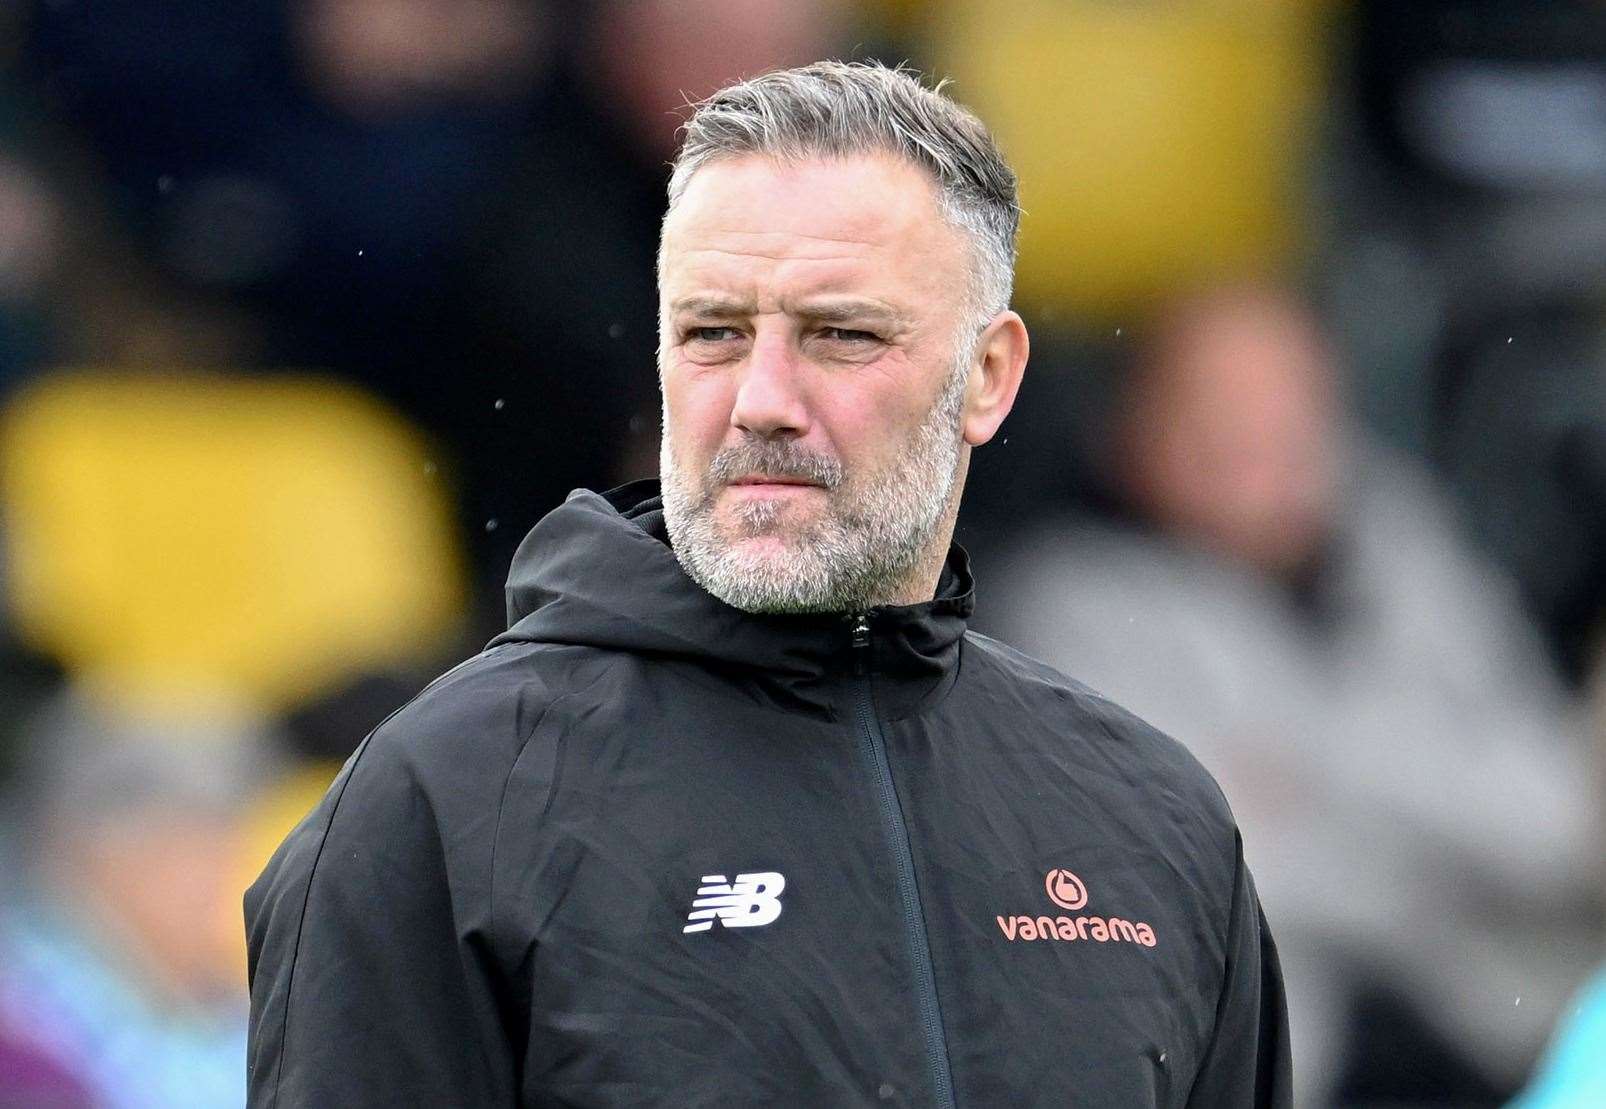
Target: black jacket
648, 849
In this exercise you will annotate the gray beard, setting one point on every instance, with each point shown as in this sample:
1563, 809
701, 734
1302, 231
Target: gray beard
875, 535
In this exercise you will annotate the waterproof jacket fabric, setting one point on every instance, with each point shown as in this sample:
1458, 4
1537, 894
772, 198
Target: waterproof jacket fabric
647, 849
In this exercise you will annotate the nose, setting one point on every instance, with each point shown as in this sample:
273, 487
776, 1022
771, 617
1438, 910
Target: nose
770, 402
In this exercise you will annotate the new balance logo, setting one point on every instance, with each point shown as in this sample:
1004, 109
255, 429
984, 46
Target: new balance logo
751, 900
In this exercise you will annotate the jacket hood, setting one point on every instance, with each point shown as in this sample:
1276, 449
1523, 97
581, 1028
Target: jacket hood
598, 571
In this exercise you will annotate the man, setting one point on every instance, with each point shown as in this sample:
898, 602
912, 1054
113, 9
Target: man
737, 812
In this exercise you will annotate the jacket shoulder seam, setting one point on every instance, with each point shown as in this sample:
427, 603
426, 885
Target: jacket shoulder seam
507, 783
501, 801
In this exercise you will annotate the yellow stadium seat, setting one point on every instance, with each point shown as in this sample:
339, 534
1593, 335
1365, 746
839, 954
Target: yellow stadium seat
1158, 144
268, 536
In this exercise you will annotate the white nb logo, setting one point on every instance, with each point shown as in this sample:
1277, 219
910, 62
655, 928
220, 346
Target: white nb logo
751, 900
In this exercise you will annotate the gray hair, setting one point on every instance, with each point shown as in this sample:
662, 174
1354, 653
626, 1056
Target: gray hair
839, 109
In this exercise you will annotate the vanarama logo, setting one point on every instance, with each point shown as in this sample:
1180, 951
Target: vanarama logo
1065, 889
1068, 892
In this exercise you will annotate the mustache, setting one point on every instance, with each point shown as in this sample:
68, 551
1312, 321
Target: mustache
780, 458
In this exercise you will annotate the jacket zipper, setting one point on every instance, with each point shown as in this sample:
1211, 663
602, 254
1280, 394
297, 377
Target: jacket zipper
875, 747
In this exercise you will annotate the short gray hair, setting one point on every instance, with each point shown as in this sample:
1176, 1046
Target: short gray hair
839, 109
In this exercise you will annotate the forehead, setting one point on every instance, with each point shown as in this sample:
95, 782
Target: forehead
841, 222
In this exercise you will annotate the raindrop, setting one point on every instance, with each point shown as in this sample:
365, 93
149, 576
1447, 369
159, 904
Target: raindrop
1517, 1002
490, 525
1162, 1056
359, 254
164, 184
1508, 340
615, 330
500, 404
1118, 333
429, 468
886, 1091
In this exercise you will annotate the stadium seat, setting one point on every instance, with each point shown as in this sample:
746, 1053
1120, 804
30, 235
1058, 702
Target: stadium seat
273, 537
1158, 145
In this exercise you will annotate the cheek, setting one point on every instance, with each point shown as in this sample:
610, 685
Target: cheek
697, 408
871, 422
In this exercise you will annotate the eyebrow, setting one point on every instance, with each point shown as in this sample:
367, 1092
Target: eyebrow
712, 306
823, 311
849, 311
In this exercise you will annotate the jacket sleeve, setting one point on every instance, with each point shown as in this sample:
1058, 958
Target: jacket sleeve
368, 987
1247, 1062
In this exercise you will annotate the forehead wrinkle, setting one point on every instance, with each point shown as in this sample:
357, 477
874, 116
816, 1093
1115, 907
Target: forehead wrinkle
791, 235
824, 250
708, 283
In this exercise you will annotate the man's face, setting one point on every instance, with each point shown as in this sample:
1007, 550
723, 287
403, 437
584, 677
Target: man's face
813, 381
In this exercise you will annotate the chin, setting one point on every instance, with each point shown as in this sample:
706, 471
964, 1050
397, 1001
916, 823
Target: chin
764, 519
768, 547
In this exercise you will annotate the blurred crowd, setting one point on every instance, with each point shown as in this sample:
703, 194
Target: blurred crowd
310, 308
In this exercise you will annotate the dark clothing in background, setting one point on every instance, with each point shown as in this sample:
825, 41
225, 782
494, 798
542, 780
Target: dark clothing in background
957, 877
554, 380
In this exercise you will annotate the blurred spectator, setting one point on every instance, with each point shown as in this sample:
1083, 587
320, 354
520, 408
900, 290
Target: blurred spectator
1292, 603
378, 57
646, 60
121, 959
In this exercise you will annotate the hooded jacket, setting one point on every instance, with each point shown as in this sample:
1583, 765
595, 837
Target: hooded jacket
649, 849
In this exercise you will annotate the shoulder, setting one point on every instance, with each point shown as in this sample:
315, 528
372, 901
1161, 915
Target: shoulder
426, 786
1097, 765
473, 722
1145, 759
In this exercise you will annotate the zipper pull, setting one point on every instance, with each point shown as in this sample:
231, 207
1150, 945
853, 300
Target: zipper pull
861, 642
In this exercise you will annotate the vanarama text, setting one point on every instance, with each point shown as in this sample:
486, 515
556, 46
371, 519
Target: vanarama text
1096, 928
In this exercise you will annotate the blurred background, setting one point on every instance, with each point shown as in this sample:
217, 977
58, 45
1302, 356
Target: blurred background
310, 308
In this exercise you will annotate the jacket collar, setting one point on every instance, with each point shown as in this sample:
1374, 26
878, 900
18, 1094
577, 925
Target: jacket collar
598, 571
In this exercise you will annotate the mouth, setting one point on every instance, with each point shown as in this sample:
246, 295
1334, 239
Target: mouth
772, 490
767, 482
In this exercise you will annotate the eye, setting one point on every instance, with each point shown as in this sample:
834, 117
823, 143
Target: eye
849, 335
711, 334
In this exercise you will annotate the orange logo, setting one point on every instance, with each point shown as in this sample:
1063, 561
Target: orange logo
1065, 889
1068, 892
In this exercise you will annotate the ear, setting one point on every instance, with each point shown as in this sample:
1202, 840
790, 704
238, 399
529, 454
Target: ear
995, 376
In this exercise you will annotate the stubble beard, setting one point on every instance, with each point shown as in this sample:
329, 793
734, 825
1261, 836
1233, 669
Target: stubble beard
873, 538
